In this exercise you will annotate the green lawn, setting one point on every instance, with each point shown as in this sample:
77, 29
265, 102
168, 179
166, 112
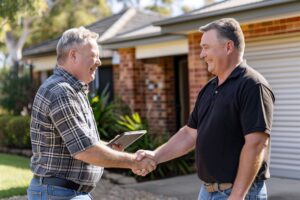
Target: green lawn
15, 175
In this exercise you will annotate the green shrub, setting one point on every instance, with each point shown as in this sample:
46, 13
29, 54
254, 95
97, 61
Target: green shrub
105, 116
4, 119
16, 92
133, 122
17, 132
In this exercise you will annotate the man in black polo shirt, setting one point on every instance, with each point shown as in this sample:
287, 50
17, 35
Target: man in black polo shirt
231, 122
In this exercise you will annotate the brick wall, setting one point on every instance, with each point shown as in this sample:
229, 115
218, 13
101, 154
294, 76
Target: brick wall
129, 80
147, 86
160, 95
169, 92
198, 74
274, 27
124, 76
139, 88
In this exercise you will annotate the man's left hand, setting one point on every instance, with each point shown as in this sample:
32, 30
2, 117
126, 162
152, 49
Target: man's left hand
117, 147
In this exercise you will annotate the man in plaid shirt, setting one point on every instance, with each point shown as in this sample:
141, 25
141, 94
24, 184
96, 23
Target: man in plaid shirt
68, 156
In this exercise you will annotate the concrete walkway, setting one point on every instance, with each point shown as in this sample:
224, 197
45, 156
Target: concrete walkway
187, 188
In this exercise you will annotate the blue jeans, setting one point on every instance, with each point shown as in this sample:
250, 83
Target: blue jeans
38, 191
258, 191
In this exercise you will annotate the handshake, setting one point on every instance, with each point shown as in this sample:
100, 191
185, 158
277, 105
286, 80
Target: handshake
144, 163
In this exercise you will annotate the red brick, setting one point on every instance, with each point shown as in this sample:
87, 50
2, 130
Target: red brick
195, 65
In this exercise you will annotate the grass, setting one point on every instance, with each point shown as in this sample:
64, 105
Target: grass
15, 175
3, 111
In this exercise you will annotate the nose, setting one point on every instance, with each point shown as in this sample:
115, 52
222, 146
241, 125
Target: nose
202, 53
98, 62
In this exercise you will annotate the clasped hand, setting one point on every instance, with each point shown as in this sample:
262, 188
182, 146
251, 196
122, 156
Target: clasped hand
145, 162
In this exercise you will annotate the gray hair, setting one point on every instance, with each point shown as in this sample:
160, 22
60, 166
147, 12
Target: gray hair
72, 38
228, 28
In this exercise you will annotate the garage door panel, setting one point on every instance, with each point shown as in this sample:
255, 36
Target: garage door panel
279, 69
286, 95
287, 133
286, 151
284, 86
291, 139
287, 91
278, 59
293, 102
289, 162
273, 56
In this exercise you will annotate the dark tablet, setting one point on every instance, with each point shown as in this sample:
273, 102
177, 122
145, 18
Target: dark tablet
127, 138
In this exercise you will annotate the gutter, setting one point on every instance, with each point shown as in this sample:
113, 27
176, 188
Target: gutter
221, 12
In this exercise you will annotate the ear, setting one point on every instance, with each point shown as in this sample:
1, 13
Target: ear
73, 55
229, 47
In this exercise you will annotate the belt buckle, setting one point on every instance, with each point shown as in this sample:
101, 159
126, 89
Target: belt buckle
209, 187
219, 187
214, 187
226, 186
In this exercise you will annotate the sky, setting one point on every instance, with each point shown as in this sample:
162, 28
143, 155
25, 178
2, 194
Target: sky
176, 8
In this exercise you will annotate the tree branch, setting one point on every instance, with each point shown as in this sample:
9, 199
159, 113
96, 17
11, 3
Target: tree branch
26, 30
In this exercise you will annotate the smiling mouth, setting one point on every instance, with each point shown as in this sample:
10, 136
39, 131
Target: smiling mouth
93, 69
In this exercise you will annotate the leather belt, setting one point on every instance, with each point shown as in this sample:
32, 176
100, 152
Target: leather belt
217, 187
64, 183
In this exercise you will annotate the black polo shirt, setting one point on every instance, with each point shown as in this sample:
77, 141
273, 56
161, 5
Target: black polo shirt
223, 115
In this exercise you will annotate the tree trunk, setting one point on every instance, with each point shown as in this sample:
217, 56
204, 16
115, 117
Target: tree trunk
15, 46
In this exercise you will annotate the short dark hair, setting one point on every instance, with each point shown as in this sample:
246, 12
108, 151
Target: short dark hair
228, 28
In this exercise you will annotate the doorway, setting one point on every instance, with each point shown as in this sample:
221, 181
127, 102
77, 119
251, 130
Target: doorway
181, 90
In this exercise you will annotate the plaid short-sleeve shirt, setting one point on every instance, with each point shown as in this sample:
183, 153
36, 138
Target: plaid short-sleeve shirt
62, 125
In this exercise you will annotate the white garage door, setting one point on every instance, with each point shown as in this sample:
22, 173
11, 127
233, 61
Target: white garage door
278, 59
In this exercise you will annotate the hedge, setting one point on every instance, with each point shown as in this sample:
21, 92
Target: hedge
15, 131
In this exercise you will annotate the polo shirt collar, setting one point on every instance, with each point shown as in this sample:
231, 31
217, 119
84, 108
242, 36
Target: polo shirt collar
74, 82
235, 73
238, 70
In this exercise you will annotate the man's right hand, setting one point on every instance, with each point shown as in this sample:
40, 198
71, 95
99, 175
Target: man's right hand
143, 156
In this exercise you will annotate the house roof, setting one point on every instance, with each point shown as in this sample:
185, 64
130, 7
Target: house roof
222, 5
246, 11
226, 6
141, 32
144, 35
106, 28
176, 27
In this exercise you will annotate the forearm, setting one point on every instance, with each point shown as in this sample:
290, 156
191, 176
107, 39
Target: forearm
251, 159
104, 156
103, 142
180, 144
